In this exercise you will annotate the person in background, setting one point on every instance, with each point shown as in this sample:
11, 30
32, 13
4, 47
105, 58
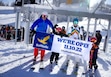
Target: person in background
84, 33
8, 33
63, 32
89, 36
1, 32
43, 24
98, 36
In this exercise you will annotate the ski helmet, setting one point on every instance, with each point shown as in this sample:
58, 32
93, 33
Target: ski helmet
93, 39
58, 29
75, 21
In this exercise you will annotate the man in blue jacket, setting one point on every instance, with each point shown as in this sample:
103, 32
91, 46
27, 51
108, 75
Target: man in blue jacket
43, 24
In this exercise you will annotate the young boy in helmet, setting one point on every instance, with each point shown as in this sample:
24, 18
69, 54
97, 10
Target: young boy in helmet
93, 53
43, 24
74, 31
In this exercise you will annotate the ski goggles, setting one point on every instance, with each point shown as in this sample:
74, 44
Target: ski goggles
75, 22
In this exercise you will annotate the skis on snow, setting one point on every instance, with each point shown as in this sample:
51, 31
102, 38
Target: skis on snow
41, 65
76, 68
90, 73
32, 67
52, 65
64, 69
75, 71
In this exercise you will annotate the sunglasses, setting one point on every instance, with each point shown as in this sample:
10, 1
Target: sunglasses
45, 16
75, 22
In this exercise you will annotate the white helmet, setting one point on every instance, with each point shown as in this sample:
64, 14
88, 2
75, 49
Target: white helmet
45, 13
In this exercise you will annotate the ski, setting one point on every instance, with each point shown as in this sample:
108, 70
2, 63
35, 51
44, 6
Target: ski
33, 64
33, 68
90, 73
41, 66
76, 69
51, 66
64, 69
86, 72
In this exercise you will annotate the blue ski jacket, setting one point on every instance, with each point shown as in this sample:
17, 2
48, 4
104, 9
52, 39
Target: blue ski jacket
42, 25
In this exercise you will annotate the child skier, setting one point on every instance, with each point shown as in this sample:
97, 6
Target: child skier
61, 32
55, 55
93, 53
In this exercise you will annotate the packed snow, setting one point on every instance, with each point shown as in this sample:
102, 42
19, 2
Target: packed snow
16, 60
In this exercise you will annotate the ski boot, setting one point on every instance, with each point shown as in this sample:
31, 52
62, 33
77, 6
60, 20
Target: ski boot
41, 64
77, 64
34, 61
95, 67
56, 62
67, 63
76, 68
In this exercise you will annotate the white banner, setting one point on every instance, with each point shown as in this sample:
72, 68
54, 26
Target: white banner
76, 48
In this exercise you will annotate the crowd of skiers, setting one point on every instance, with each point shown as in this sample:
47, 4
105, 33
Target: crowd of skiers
9, 32
43, 23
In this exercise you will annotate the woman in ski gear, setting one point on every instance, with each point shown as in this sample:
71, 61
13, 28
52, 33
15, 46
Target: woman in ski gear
43, 24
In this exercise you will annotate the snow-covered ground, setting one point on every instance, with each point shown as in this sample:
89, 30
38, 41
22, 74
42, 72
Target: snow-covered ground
16, 61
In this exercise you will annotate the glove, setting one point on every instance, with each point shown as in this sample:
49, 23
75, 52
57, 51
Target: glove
32, 32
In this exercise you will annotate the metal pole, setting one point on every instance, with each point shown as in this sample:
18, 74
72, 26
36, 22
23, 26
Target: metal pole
55, 19
68, 20
17, 24
108, 35
28, 25
95, 27
88, 29
22, 3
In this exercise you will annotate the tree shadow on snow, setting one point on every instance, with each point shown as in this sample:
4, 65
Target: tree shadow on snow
14, 61
14, 52
23, 70
19, 71
103, 63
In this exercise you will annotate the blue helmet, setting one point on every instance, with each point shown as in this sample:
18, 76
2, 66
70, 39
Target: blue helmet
75, 19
